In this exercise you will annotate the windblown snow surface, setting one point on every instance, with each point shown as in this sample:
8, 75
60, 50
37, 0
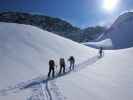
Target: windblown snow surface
120, 34
24, 54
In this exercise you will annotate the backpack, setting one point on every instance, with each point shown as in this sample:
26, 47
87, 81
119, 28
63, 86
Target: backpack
51, 63
62, 61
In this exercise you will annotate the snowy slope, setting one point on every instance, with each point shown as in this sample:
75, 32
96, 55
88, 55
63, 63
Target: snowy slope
24, 55
25, 51
110, 78
120, 33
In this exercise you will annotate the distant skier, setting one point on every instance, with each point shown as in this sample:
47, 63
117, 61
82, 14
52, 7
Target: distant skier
72, 62
62, 65
51, 68
101, 52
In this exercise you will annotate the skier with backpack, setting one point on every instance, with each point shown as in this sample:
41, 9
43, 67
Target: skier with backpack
51, 68
72, 62
62, 65
101, 52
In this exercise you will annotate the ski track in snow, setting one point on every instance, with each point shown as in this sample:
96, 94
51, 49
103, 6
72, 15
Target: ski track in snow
48, 91
37, 93
56, 91
40, 88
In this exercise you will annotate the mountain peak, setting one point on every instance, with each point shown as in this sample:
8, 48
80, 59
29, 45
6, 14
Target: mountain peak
123, 18
121, 32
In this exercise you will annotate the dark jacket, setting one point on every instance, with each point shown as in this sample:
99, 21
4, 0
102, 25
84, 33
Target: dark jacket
51, 63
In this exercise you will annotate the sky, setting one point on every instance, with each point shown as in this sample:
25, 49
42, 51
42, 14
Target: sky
80, 13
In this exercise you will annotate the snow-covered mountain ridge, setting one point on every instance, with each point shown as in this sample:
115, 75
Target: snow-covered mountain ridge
120, 33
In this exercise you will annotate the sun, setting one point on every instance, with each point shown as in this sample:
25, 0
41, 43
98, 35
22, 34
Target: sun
110, 5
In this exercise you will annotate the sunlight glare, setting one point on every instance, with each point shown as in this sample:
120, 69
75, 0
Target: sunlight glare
110, 5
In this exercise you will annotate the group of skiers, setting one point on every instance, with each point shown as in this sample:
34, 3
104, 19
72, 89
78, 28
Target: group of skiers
62, 64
